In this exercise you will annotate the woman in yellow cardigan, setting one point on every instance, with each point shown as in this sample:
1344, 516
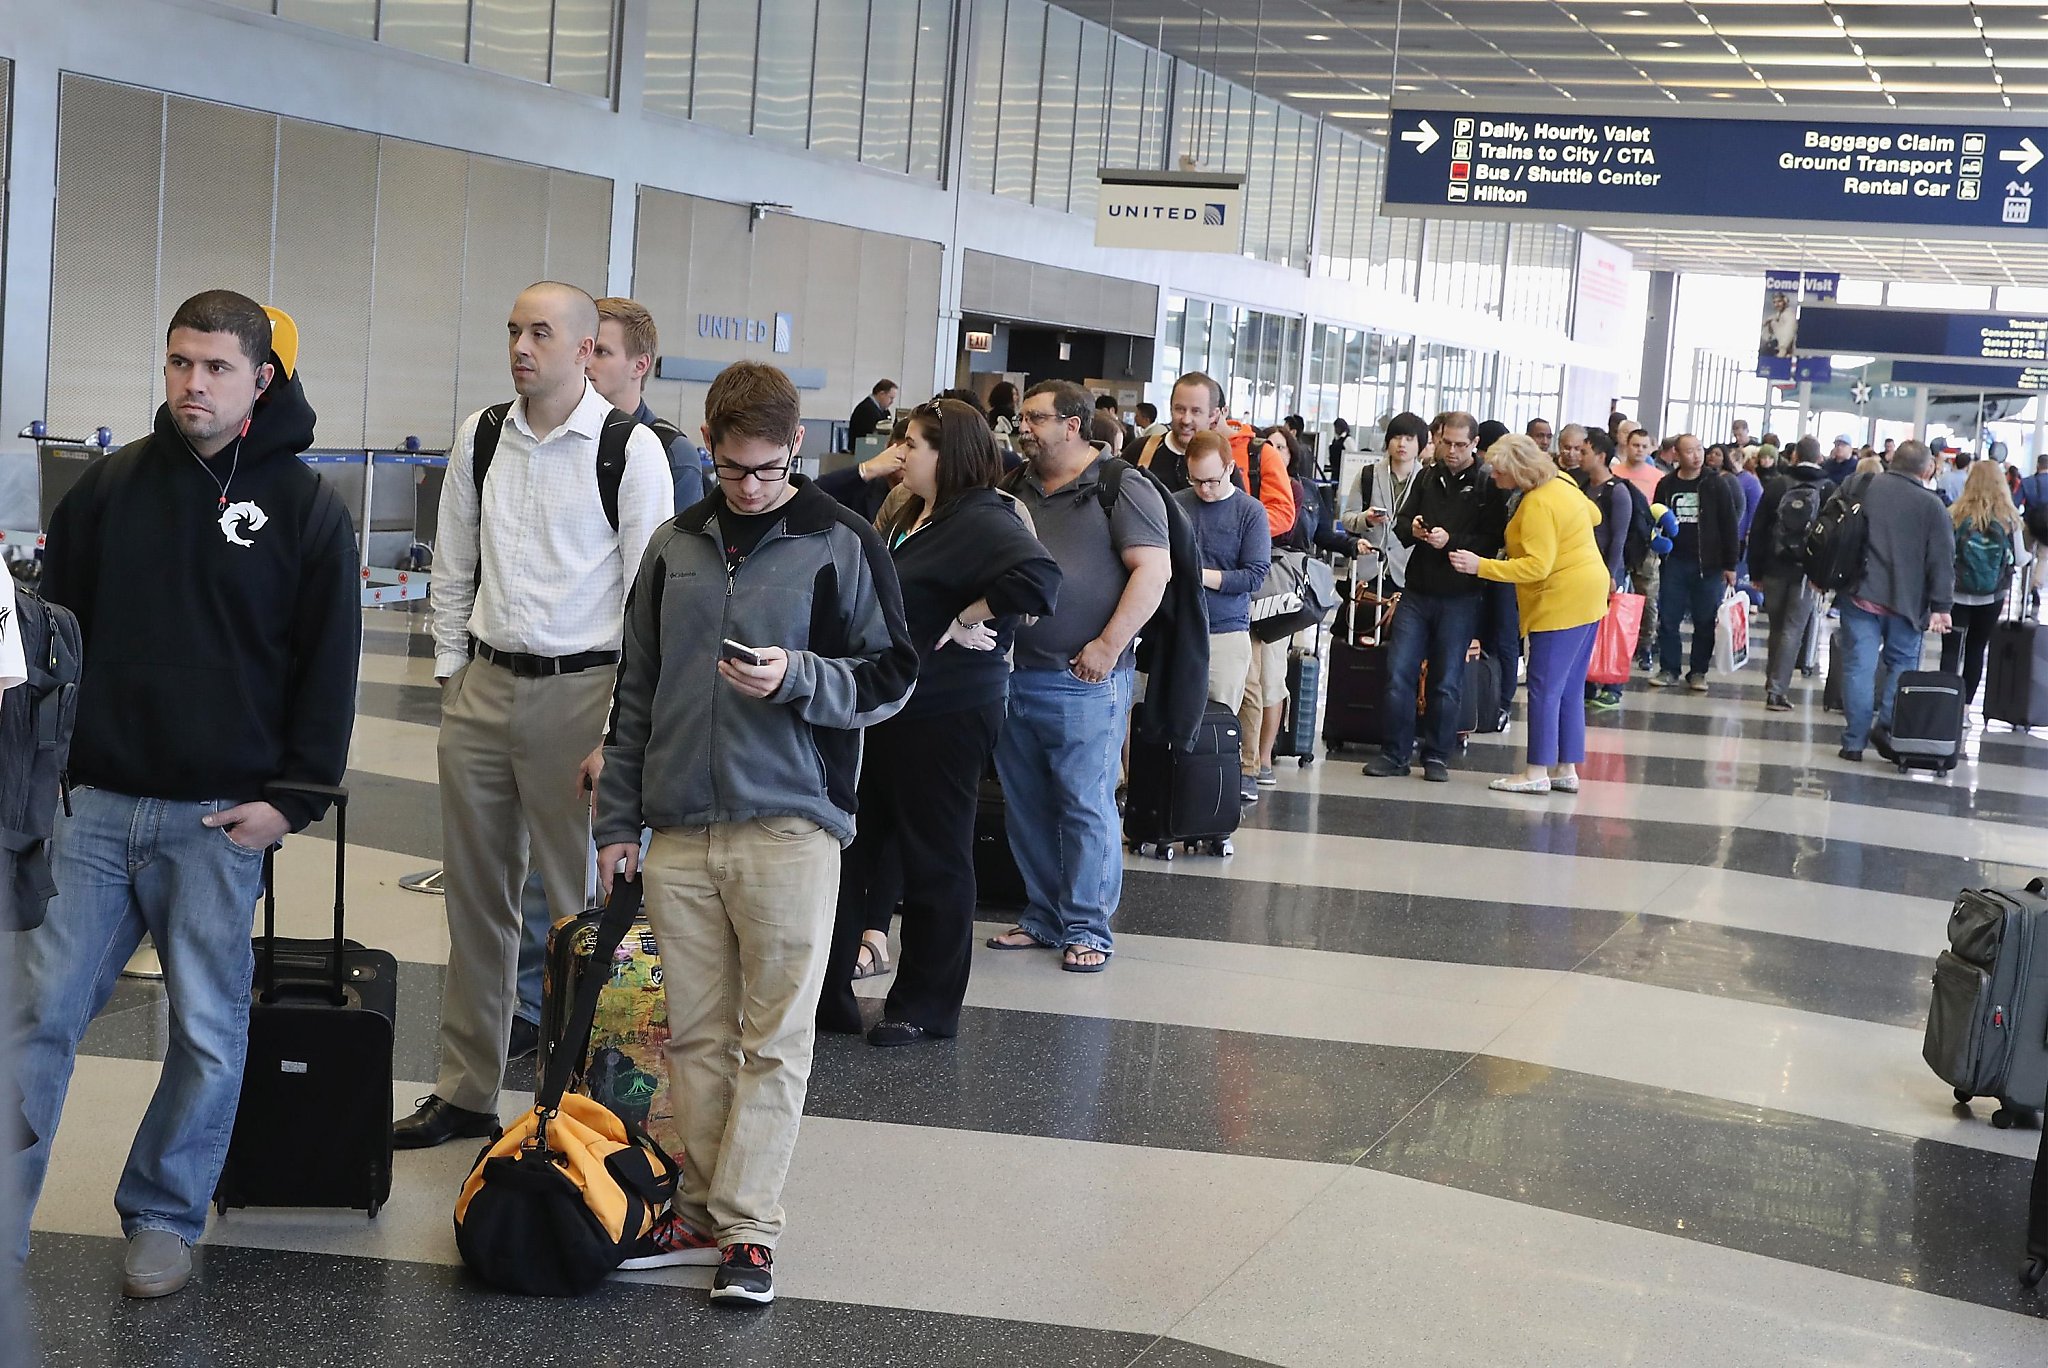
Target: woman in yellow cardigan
1561, 586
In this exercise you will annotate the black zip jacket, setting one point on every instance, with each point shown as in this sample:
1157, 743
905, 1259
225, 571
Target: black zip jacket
1720, 519
1470, 507
221, 643
975, 547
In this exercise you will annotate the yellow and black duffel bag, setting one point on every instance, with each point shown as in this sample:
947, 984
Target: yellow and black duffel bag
557, 1203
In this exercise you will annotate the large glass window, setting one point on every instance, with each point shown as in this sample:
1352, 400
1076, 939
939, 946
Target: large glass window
1053, 182
1255, 356
837, 80
567, 43
724, 91
928, 87
892, 57
782, 71
1023, 60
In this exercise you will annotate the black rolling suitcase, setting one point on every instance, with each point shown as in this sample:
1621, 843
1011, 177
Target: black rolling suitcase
1355, 714
1187, 797
997, 880
1479, 701
1831, 687
314, 1125
1927, 722
1987, 1021
2016, 670
2036, 1266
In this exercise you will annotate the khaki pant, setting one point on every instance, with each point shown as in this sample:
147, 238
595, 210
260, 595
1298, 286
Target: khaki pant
510, 750
1230, 664
1264, 687
743, 913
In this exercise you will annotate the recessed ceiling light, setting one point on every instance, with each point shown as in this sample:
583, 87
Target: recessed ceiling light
1636, 14
1318, 37
1721, 95
1407, 87
1668, 43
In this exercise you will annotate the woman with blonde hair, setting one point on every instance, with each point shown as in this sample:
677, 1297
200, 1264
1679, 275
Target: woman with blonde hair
1561, 584
1988, 548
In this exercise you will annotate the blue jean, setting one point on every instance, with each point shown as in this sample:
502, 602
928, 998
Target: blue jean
1058, 759
1438, 628
124, 866
1686, 589
1557, 685
1866, 636
1501, 634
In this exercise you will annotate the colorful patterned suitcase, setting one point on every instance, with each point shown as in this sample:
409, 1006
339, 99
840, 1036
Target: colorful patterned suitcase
625, 1065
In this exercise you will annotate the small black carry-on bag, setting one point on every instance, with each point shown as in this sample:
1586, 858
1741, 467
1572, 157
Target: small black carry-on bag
1927, 722
314, 1125
1188, 797
2016, 667
557, 1203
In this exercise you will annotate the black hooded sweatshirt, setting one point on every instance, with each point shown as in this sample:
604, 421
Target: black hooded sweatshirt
222, 628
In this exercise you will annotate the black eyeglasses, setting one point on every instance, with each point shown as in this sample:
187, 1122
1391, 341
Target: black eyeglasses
767, 474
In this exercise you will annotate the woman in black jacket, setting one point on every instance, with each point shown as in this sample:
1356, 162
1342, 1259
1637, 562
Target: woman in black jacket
969, 569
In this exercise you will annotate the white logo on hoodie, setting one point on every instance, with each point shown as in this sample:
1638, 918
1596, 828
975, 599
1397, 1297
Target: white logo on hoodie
242, 512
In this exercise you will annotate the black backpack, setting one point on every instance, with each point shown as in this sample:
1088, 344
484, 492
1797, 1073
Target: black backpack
1635, 547
1798, 510
36, 720
1839, 538
611, 454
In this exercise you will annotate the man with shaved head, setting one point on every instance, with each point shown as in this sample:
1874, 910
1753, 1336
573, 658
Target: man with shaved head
549, 502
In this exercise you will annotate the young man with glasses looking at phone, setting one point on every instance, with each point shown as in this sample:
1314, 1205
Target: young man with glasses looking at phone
764, 631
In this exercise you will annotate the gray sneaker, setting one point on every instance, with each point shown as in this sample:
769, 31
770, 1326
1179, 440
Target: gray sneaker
1663, 681
1696, 682
1267, 779
158, 1263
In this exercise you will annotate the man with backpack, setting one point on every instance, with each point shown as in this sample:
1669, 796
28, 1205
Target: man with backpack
549, 503
1699, 566
1623, 534
1901, 588
1070, 692
214, 579
2032, 498
1777, 545
620, 364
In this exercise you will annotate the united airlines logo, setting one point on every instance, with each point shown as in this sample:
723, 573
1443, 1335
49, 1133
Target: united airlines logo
1212, 215
238, 514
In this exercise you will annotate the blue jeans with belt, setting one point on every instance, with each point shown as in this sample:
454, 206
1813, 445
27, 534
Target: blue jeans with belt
1058, 759
125, 866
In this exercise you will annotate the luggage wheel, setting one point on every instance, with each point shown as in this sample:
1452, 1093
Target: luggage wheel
1965, 1097
2006, 1118
375, 1207
2032, 1272
1305, 759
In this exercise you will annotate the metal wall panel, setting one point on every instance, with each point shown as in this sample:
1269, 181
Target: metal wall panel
879, 319
920, 312
829, 334
220, 167
506, 251
106, 350
416, 320
326, 243
579, 230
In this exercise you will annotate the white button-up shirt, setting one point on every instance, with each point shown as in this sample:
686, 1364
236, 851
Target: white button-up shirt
555, 574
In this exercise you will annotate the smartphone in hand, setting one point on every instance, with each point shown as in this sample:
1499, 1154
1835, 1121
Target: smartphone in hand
745, 655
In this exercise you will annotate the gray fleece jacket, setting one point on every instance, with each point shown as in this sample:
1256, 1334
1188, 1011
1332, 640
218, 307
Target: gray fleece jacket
686, 748
1909, 565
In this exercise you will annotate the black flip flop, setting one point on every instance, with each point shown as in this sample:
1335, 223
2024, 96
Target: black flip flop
996, 942
1074, 968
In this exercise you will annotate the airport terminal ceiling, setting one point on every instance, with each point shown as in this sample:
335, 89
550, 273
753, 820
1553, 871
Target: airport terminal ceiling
1351, 62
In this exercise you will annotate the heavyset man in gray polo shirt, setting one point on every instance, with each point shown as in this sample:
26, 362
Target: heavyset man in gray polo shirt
1070, 693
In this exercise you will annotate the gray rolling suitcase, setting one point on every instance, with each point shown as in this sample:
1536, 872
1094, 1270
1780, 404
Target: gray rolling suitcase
1987, 1026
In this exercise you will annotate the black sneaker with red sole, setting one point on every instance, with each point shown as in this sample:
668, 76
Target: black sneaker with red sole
746, 1277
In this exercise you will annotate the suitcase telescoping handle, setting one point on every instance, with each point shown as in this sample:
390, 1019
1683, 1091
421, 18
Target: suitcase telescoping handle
339, 798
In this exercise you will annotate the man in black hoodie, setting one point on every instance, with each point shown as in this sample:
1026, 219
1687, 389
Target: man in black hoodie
1700, 565
1783, 519
214, 577
1453, 505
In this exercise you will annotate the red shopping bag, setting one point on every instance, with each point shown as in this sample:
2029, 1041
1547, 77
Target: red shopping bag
1614, 648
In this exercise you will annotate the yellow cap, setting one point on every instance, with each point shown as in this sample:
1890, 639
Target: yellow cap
284, 339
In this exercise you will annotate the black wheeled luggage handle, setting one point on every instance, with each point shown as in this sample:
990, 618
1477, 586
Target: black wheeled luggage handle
339, 797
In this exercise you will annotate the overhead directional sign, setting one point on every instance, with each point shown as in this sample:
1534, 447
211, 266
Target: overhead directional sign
1949, 179
1986, 378
1922, 334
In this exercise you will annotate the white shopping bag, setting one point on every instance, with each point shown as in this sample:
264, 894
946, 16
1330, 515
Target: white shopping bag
1731, 634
